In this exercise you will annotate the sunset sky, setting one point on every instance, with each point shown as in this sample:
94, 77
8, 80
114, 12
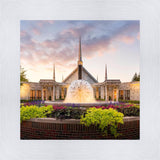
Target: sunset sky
46, 42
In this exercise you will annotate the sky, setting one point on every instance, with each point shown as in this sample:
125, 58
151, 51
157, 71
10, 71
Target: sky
47, 42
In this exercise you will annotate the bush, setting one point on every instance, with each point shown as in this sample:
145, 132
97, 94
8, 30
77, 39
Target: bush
130, 111
66, 113
126, 109
103, 118
129, 101
28, 112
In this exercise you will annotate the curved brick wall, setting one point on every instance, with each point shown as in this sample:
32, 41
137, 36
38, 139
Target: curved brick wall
50, 128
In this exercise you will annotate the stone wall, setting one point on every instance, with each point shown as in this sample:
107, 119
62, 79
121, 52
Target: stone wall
25, 91
134, 88
26, 87
72, 129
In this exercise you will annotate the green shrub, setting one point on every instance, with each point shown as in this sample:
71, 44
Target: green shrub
66, 113
131, 111
103, 118
28, 112
129, 101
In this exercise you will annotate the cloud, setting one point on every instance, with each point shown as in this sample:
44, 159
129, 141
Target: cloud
78, 30
25, 37
127, 39
40, 23
36, 31
62, 49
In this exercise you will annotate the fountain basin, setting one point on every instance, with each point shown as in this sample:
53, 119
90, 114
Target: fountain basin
87, 105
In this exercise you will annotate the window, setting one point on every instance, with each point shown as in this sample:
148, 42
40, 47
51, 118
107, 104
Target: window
32, 94
121, 93
39, 94
127, 94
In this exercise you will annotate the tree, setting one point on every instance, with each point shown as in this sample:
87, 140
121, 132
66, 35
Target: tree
23, 75
136, 77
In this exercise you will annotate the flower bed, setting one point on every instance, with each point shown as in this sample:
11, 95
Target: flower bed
29, 110
126, 109
104, 117
38, 103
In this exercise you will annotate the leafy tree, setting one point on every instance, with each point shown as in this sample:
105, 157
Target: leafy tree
23, 75
136, 77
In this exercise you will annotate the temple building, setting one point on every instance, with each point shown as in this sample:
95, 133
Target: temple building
109, 90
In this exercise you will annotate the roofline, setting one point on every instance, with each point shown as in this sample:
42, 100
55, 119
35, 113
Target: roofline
91, 75
82, 77
70, 74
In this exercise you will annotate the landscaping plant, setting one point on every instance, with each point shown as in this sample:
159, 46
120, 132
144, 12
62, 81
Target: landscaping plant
66, 112
104, 119
28, 112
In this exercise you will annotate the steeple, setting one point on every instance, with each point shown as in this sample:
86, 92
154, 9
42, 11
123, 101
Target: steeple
105, 72
80, 53
54, 72
80, 63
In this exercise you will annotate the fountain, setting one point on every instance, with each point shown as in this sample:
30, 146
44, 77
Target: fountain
79, 94
80, 91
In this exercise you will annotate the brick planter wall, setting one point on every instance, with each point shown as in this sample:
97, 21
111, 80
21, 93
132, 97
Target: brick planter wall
50, 128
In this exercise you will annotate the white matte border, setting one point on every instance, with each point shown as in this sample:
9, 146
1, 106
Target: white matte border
11, 12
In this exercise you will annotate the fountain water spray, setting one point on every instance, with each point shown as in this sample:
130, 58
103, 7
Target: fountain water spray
80, 91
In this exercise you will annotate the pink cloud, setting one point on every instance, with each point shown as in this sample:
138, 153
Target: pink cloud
127, 39
51, 44
77, 31
36, 31
41, 23
23, 33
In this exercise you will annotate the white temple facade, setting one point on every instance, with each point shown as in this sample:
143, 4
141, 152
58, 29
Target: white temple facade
109, 90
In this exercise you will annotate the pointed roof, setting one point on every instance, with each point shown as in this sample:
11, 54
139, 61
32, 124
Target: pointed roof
84, 70
80, 63
90, 75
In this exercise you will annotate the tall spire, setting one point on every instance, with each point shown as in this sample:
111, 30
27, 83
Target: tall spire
80, 63
105, 72
80, 53
54, 72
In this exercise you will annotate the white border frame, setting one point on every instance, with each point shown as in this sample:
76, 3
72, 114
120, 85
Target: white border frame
11, 12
